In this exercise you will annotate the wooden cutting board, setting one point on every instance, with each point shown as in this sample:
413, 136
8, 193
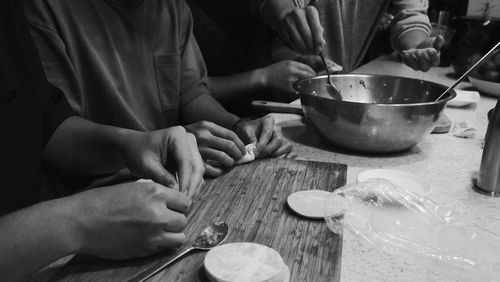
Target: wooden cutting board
251, 198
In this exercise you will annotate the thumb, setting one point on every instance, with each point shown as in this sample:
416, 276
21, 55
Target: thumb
156, 172
438, 42
334, 67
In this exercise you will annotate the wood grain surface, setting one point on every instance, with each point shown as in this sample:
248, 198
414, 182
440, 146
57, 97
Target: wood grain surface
251, 198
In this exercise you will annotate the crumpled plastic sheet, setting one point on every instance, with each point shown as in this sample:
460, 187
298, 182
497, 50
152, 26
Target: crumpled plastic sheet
464, 129
402, 223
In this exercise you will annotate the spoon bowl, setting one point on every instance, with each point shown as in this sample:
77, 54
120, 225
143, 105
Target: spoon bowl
212, 236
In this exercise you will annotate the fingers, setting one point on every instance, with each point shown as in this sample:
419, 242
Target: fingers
423, 60
218, 156
304, 69
174, 221
212, 171
217, 143
420, 59
434, 58
315, 63
284, 149
316, 29
248, 132
266, 126
177, 201
301, 22
234, 140
294, 37
333, 67
277, 146
302, 30
274, 143
169, 240
155, 171
190, 167
191, 172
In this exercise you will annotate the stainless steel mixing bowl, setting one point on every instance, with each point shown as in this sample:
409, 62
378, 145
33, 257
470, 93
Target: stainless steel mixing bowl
378, 114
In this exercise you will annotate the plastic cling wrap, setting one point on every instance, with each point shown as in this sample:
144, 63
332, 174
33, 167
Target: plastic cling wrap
405, 224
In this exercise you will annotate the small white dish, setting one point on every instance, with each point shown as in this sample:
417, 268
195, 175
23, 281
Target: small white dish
486, 87
407, 181
308, 203
464, 98
245, 261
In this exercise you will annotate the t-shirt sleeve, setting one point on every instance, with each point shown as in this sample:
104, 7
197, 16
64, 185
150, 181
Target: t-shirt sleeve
193, 68
52, 50
409, 15
56, 111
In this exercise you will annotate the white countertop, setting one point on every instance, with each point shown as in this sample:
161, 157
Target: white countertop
447, 162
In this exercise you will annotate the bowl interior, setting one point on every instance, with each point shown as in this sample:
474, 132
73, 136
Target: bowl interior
379, 89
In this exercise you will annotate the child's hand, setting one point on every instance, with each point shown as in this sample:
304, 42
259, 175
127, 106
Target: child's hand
315, 62
425, 55
283, 74
302, 31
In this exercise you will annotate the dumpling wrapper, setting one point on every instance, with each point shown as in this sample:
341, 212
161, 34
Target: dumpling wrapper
245, 262
249, 156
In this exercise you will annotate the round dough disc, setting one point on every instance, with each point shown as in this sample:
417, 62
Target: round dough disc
308, 203
244, 262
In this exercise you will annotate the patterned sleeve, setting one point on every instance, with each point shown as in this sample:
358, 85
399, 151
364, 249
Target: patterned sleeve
409, 15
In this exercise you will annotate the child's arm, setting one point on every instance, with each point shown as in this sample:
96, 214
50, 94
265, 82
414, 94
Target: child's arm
410, 32
278, 76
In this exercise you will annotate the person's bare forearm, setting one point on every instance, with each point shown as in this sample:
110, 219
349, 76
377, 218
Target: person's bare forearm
410, 40
35, 237
232, 87
89, 147
205, 107
273, 12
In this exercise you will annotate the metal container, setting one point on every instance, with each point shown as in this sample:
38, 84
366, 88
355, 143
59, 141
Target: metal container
488, 181
378, 114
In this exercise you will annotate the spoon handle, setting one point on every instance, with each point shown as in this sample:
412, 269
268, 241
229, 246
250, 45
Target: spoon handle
493, 51
143, 276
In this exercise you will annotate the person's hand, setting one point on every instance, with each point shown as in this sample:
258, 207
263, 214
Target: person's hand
283, 74
425, 55
265, 134
302, 31
315, 62
160, 154
129, 220
217, 145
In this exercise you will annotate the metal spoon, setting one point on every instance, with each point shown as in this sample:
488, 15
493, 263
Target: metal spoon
493, 51
331, 89
212, 236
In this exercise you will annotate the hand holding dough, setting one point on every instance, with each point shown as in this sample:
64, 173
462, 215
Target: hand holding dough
249, 156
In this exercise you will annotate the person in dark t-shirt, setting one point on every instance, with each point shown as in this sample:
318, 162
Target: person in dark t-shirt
39, 131
136, 64
236, 47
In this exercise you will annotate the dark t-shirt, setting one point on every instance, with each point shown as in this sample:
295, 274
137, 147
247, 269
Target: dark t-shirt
30, 111
230, 35
128, 63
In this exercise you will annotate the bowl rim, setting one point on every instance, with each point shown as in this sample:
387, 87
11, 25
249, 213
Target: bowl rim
451, 93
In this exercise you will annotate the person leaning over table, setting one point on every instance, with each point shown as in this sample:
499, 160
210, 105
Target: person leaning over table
136, 64
345, 29
234, 44
39, 129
